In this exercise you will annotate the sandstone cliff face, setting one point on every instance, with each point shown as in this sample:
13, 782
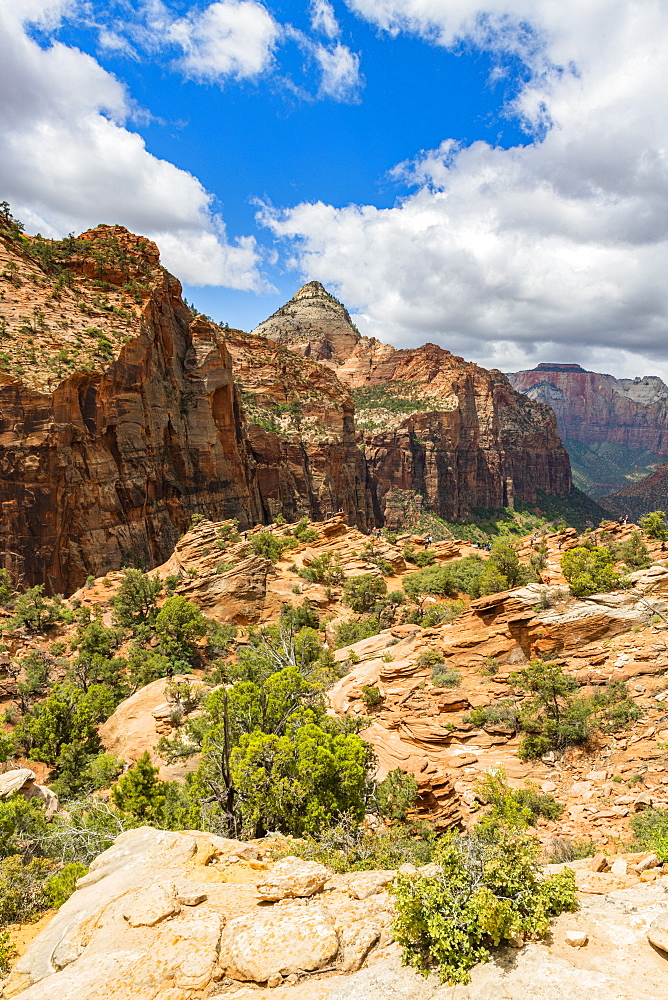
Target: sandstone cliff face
122, 413
593, 408
638, 499
118, 412
433, 425
301, 433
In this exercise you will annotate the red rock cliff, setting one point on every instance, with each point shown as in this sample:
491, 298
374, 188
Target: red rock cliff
434, 425
118, 411
592, 408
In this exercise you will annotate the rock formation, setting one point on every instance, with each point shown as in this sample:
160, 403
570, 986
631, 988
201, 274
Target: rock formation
301, 433
181, 915
615, 429
122, 412
118, 412
637, 499
438, 431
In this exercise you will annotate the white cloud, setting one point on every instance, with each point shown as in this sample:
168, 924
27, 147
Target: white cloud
231, 38
323, 18
69, 161
558, 248
340, 71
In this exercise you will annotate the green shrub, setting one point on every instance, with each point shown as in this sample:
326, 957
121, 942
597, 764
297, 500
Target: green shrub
362, 593
23, 888
396, 794
538, 803
492, 580
633, 552
432, 580
650, 829
423, 559
35, 613
557, 716
7, 952
303, 533
589, 570
346, 633
490, 890
270, 546
429, 658
504, 713
59, 887
654, 525
371, 695
136, 602
517, 807
6, 588
178, 625
442, 677
325, 569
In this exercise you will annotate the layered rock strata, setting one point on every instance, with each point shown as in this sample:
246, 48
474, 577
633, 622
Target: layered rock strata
301, 433
591, 407
122, 413
118, 413
433, 425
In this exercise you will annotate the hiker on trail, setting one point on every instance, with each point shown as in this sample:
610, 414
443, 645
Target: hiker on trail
559, 544
427, 542
170, 672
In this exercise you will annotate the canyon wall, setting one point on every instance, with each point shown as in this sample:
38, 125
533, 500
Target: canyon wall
119, 416
123, 412
616, 430
431, 424
591, 407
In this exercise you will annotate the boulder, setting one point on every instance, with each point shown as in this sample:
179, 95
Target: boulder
282, 939
14, 781
657, 932
22, 780
291, 878
576, 939
149, 906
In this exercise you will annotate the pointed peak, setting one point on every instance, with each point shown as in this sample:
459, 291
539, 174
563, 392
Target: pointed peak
312, 290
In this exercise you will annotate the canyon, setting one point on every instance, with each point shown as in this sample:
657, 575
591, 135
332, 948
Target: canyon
123, 412
438, 433
615, 430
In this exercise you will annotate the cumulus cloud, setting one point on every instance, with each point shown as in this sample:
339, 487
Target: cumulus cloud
69, 160
557, 248
231, 38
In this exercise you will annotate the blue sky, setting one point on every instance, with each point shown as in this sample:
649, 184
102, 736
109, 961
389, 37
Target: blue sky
274, 139
491, 177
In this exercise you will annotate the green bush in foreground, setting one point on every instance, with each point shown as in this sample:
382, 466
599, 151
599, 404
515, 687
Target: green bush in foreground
490, 890
650, 829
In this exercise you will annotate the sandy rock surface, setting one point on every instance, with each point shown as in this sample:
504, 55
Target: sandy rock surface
178, 915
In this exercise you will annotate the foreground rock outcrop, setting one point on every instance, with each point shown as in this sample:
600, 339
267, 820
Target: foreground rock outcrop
170, 916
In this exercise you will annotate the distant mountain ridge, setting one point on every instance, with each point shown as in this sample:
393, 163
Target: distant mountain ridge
615, 430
